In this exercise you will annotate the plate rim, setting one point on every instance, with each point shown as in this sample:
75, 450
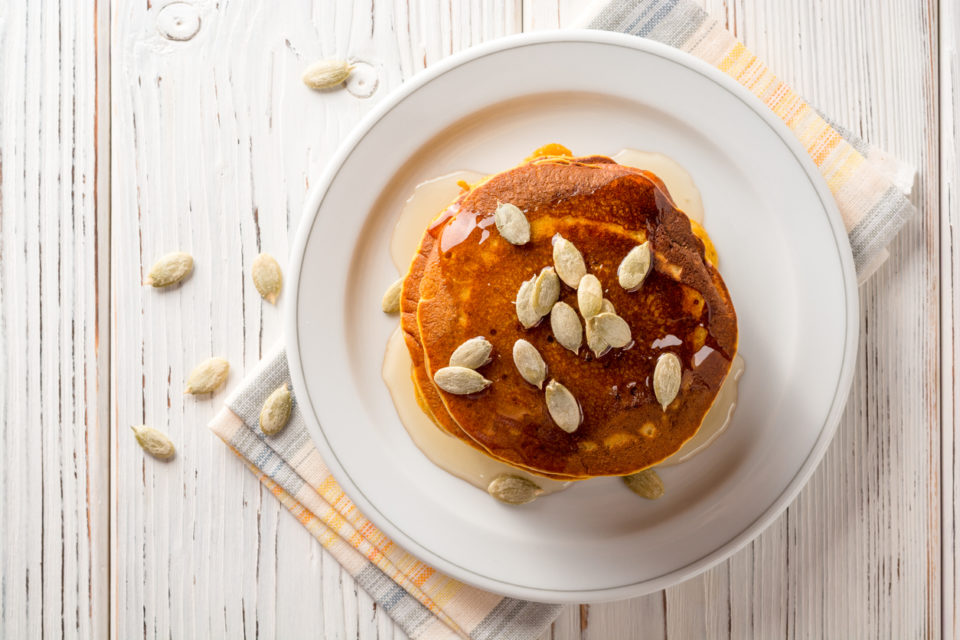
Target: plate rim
315, 199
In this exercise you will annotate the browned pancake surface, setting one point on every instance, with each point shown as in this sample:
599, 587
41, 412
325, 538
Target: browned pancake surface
428, 396
468, 279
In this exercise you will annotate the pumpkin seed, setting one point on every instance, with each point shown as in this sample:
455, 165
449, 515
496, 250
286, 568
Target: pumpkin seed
267, 277
634, 267
525, 312
646, 484
460, 381
566, 326
607, 307
546, 291
391, 299
276, 411
589, 296
472, 354
511, 223
154, 442
612, 328
568, 261
513, 489
666, 379
325, 74
529, 363
563, 407
595, 341
208, 376
170, 269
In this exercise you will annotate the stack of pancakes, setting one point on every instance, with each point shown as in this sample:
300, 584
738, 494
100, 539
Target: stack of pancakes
463, 282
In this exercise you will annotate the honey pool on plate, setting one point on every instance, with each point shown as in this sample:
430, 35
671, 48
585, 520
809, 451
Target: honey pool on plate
448, 452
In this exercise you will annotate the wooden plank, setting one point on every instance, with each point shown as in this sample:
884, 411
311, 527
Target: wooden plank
858, 552
551, 14
215, 142
55, 440
950, 307
861, 550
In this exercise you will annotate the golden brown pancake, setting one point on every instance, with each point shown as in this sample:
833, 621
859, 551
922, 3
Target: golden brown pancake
463, 283
428, 396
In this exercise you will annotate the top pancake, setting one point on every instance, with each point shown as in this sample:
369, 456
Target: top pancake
463, 283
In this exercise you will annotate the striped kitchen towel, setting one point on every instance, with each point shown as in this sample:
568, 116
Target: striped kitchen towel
424, 602
870, 189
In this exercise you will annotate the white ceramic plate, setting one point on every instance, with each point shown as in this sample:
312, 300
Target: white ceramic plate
783, 253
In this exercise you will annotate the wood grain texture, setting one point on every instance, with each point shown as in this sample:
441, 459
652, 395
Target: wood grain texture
950, 307
55, 438
213, 143
858, 553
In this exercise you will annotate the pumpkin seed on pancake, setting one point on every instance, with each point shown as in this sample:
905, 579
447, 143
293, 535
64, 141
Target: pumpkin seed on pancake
529, 363
472, 354
563, 407
666, 379
460, 380
634, 267
526, 311
568, 261
566, 327
589, 296
546, 291
595, 341
613, 329
511, 223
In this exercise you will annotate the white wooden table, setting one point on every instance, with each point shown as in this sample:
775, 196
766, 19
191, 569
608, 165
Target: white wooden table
118, 143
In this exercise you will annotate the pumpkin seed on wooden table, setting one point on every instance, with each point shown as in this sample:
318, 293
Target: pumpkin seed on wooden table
529, 363
511, 223
472, 354
208, 376
170, 269
460, 381
391, 299
513, 489
154, 442
275, 412
267, 277
326, 74
646, 484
